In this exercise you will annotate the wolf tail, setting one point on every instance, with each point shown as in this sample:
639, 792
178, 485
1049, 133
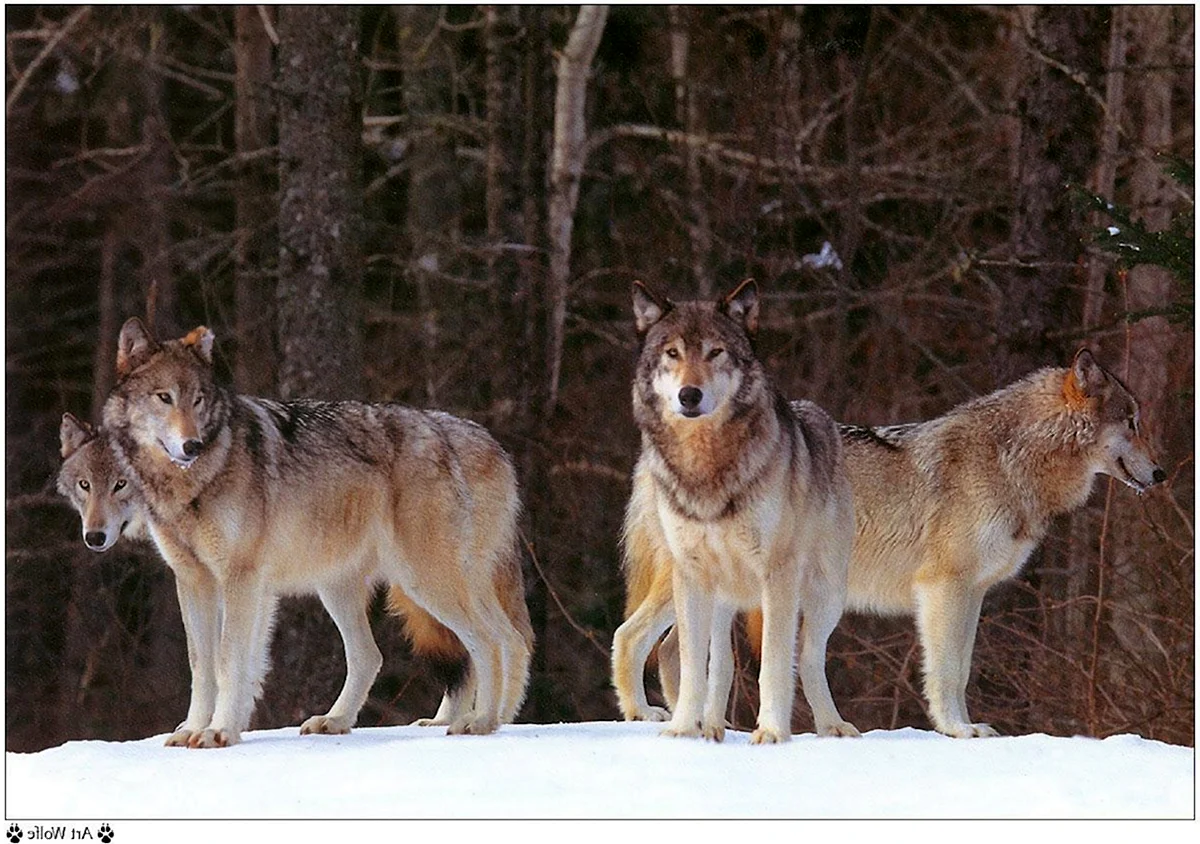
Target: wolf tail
754, 631
433, 642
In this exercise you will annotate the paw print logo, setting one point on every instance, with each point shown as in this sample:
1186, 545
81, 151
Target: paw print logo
104, 833
14, 833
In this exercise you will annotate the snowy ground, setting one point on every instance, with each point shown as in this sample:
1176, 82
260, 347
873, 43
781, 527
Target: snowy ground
601, 770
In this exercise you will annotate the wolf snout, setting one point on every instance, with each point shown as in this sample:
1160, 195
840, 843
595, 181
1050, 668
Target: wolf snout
689, 400
1159, 475
95, 539
192, 448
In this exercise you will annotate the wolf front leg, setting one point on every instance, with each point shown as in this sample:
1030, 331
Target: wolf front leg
776, 678
240, 655
693, 622
947, 616
199, 605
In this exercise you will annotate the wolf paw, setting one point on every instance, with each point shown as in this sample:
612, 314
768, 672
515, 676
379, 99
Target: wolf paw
650, 713
323, 725
769, 735
696, 729
213, 738
840, 728
429, 722
473, 727
182, 737
970, 731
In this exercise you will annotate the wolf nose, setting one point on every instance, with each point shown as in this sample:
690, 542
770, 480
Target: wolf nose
192, 447
1159, 476
95, 538
690, 397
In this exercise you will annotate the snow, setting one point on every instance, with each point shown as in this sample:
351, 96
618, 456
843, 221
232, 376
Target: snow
601, 770
826, 258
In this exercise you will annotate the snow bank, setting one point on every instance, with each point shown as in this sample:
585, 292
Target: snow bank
603, 770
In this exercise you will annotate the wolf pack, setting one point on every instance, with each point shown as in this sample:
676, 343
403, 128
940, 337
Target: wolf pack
742, 502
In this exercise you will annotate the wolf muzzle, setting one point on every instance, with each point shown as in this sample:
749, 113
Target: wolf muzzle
689, 400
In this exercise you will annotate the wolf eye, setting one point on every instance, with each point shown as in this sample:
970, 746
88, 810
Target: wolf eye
673, 353
84, 485
714, 354
199, 400
119, 485
165, 398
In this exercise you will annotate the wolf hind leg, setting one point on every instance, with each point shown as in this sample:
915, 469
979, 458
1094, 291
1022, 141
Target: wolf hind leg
346, 603
632, 643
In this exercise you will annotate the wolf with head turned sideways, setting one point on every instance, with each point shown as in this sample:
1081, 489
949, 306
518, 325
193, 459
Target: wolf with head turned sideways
744, 497
248, 499
945, 509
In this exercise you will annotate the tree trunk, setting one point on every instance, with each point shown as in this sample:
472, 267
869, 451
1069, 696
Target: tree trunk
319, 291
687, 114
256, 247
1056, 148
1150, 342
153, 231
433, 200
1085, 526
103, 366
566, 169
320, 209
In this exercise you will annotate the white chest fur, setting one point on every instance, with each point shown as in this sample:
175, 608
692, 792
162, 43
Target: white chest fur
729, 556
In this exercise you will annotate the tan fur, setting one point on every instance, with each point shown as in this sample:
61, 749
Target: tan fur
334, 498
948, 508
738, 501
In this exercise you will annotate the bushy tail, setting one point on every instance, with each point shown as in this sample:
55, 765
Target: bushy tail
754, 628
433, 642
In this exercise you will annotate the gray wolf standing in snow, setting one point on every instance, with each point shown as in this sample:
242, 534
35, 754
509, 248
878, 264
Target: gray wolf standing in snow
740, 500
944, 510
248, 499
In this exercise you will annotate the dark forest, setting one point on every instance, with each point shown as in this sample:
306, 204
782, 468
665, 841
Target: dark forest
926, 196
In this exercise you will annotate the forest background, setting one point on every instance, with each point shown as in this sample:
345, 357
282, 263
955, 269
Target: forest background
446, 206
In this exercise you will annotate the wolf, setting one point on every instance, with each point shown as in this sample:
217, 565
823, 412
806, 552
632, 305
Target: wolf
96, 487
944, 510
744, 501
248, 499
110, 508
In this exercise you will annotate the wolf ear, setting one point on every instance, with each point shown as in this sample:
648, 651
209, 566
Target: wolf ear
741, 305
200, 340
134, 346
73, 435
1085, 379
648, 308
